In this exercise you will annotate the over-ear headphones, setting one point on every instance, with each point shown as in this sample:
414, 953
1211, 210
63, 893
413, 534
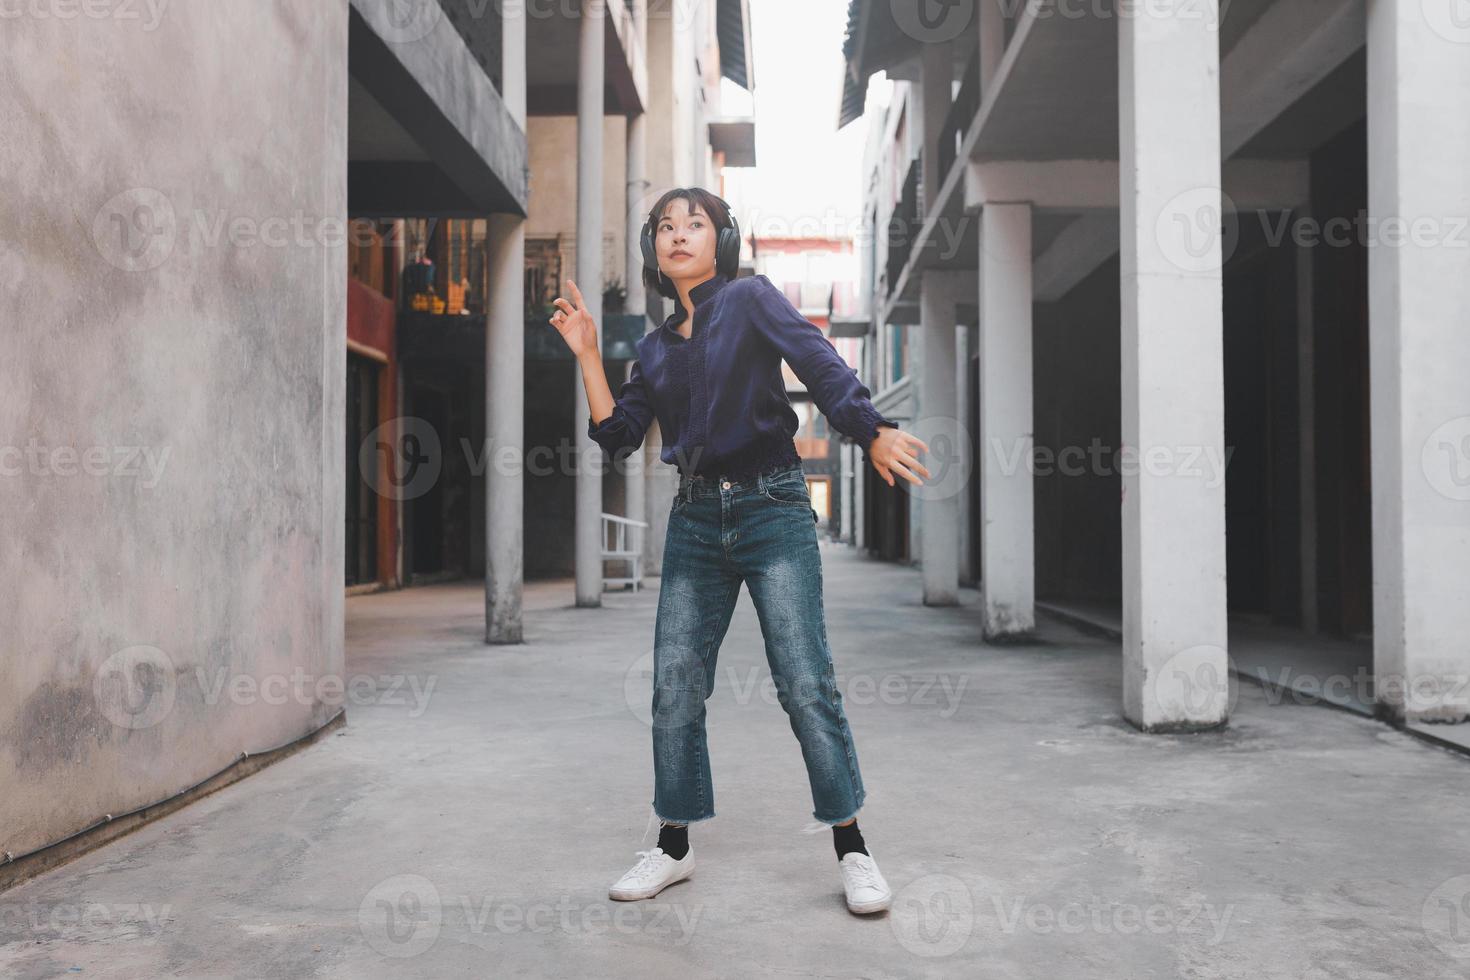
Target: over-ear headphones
727, 246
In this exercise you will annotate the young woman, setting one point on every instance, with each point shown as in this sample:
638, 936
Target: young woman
711, 375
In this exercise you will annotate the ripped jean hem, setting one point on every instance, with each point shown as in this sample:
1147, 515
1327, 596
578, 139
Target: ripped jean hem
654, 816
862, 798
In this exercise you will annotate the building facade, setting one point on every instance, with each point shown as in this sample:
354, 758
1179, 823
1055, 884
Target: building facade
275, 276
1180, 290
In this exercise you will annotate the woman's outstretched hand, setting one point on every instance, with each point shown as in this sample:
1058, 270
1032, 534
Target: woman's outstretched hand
892, 451
574, 323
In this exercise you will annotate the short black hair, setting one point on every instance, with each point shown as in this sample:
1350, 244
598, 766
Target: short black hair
699, 200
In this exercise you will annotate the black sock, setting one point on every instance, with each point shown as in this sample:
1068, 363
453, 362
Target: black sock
847, 838
674, 839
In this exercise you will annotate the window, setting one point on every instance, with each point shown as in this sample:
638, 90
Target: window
898, 339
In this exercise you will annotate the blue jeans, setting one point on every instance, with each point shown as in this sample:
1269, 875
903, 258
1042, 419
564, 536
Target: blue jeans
761, 532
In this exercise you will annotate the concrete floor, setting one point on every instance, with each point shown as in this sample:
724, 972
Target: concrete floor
1308, 667
469, 823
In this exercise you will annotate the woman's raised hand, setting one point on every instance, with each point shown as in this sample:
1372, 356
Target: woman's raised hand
895, 451
574, 323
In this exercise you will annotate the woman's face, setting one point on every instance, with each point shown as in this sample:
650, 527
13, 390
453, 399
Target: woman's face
685, 242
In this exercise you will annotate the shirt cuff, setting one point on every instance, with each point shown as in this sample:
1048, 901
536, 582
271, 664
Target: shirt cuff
866, 425
612, 425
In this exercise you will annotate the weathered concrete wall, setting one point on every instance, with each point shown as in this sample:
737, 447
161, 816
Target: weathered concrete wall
172, 308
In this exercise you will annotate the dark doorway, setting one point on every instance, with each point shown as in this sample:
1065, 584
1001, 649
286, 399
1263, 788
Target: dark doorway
887, 529
1262, 435
362, 499
426, 510
1340, 345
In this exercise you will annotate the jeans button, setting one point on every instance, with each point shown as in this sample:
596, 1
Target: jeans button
726, 484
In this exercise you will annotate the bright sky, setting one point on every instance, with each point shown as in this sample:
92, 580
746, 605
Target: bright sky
808, 175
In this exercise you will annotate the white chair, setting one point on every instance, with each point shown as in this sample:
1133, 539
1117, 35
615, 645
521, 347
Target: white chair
626, 546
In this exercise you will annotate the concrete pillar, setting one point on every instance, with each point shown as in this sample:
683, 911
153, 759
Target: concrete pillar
938, 410
935, 349
962, 404
935, 96
505, 361
1007, 502
638, 203
1175, 671
914, 372
1419, 357
589, 280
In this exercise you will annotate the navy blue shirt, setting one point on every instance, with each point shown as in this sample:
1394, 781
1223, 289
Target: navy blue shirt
719, 396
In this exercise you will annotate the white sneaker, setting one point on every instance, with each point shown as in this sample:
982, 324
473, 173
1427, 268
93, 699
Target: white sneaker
654, 871
864, 884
